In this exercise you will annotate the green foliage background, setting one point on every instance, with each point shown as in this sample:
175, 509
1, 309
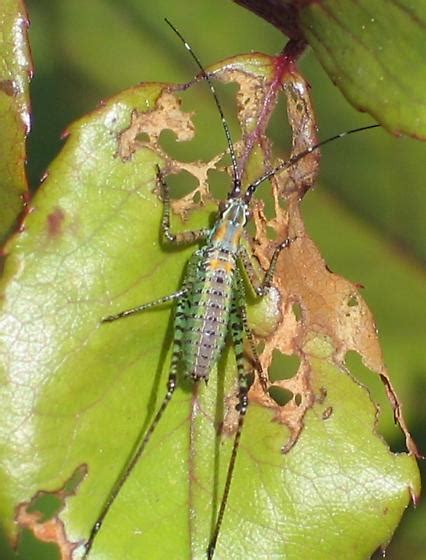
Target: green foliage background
366, 215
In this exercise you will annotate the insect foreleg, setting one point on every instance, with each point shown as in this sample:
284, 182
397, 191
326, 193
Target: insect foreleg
145, 306
184, 237
236, 327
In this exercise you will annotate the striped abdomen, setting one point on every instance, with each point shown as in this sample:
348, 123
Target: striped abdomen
206, 311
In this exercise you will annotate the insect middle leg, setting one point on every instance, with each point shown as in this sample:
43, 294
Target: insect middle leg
160, 301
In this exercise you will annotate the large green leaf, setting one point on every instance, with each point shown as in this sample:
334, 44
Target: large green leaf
75, 393
15, 71
373, 51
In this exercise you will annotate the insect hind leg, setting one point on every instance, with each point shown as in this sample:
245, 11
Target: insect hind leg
243, 388
143, 437
139, 449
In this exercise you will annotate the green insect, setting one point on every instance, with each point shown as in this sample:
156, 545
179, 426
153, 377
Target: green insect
211, 304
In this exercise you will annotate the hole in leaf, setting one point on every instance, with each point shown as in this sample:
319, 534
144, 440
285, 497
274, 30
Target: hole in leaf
219, 184
280, 395
282, 203
48, 505
30, 547
375, 387
298, 399
251, 228
209, 138
260, 347
265, 194
181, 184
227, 94
142, 137
41, 530
282, 366
280, 136
353, 301
297, 310
271, 233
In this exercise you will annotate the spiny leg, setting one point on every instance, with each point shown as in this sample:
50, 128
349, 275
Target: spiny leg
184, 237
267, 279
249, 333
139, 449
259, 286
143, 438
243, 387
145, 306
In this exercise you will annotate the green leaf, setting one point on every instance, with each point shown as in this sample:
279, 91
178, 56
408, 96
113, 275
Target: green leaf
15, 73
75, 394
374, 52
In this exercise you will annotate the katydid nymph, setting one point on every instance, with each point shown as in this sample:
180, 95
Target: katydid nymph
211, 305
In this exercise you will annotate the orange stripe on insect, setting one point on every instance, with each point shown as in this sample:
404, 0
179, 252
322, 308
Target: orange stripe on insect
228, 234
216, 264
221, 232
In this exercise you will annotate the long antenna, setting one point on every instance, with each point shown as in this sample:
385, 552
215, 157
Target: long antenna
237, 180
288, 163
